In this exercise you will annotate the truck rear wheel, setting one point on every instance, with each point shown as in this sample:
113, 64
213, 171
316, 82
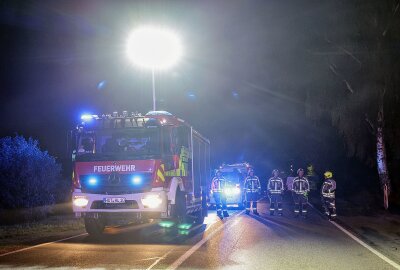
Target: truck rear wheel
179, 208
199, 218
94, 226
200, 215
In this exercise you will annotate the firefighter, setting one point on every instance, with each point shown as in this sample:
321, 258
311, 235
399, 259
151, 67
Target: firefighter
328, 195
275, 189
218, 189
300, 190
252, 188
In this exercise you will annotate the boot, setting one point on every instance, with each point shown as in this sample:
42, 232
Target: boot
255, 212
226, 214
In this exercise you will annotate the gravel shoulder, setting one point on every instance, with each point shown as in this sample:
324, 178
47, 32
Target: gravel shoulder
22, 235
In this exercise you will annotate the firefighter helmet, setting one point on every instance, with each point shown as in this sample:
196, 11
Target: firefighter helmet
250, 170
328, 174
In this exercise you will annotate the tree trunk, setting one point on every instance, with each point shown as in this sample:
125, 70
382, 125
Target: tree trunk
381, 158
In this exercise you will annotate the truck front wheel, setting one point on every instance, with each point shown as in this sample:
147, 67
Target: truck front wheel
94, 226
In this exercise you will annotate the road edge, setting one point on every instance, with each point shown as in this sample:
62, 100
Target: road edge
41, 245
357, 238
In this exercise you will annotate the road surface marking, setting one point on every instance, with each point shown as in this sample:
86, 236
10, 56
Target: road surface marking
158, 260
193, 249
41, 245
377, 253
361, 242
209, 225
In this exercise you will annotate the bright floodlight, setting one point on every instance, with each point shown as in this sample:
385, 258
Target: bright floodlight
154, 48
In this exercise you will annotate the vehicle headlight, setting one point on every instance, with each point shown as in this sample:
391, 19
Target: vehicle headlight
80, 201
152, 201
228, 191
232, 191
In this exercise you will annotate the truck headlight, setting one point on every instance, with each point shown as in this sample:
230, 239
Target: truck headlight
152, 201
80, 201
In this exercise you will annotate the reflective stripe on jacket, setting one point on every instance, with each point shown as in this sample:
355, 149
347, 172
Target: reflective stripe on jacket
328, 188
300, 185
275, 185
252, 184
218, 184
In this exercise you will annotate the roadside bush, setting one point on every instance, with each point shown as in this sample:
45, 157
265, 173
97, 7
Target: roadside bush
28, 176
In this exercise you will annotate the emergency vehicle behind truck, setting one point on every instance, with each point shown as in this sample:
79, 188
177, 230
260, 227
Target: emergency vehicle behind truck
234, 175
135, 168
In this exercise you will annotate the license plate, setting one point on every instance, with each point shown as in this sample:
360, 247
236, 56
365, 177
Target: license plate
114, 200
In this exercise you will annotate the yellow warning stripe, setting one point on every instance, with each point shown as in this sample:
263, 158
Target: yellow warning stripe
160, 173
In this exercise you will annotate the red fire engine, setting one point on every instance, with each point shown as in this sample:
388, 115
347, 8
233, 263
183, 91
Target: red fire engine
135, 168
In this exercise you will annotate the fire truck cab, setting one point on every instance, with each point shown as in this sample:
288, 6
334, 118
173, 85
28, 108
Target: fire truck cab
135, 168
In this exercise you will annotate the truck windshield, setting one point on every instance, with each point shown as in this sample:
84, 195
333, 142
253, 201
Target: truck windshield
120, 143
233, 177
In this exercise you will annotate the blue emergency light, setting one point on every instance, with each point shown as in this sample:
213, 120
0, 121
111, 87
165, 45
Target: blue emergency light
137, 180
92, 181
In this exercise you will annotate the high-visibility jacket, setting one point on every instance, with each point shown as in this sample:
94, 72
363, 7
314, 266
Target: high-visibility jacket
218, 184
328, 188
252, 184
275, 185
301, 185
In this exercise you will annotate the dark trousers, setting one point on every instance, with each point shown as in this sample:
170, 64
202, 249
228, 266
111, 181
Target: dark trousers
220, 202
251, 199
329, 206
275, 202
300, 204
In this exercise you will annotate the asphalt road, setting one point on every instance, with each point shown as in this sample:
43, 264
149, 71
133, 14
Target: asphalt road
238, 242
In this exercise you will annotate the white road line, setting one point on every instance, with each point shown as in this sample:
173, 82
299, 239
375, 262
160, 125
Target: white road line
193, 249
159, 259
377, 253
41, 245
361, 242
208, 227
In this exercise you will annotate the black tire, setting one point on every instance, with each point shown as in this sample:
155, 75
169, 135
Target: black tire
179, 208
199, 219
204, 204
94, 226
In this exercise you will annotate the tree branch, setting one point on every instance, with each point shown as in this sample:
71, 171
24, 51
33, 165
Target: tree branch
370, 125
332, 67
349, 86
344, 50
391, 19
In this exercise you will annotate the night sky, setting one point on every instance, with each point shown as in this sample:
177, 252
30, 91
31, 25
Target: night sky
241, 82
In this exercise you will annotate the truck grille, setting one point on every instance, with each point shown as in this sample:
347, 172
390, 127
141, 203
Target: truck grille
126, 205
115, 184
